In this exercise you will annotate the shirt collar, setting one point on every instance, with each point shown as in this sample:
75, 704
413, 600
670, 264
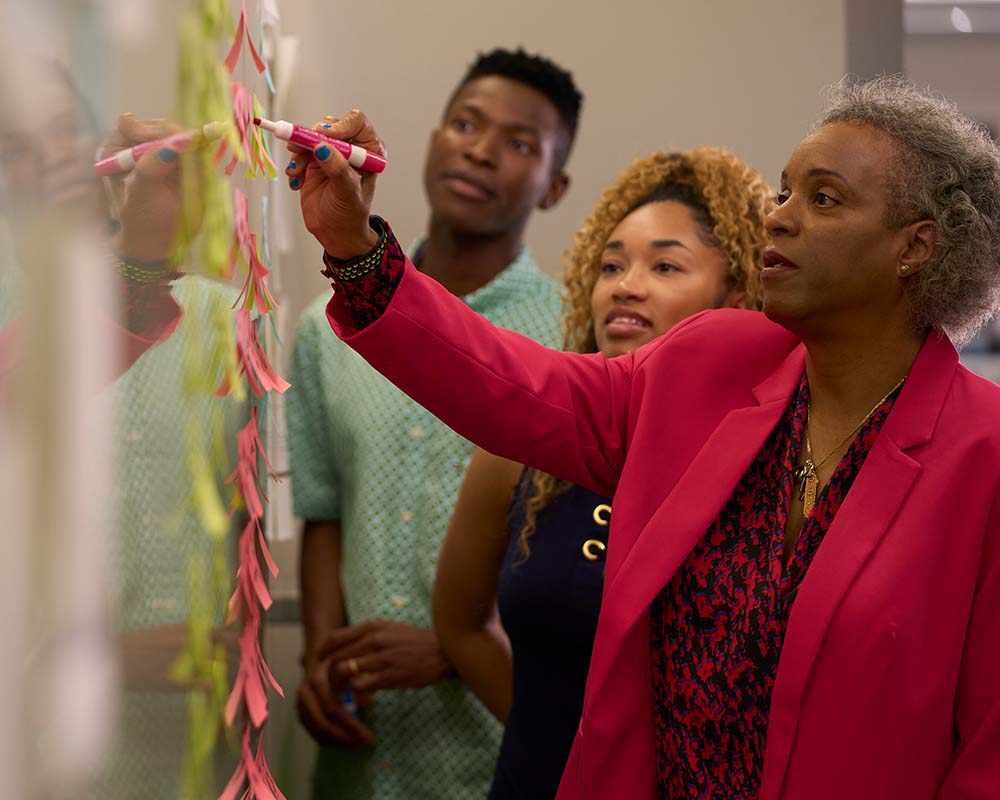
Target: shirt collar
507, 285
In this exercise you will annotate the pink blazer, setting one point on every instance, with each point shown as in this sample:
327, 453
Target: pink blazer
888, 686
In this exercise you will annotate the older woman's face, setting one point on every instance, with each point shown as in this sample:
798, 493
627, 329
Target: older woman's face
832, 263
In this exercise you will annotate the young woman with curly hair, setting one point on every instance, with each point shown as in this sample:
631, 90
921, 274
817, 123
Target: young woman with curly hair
676, 234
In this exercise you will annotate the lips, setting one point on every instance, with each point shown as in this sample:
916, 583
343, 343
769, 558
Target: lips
623, 322
468, 186
773, 260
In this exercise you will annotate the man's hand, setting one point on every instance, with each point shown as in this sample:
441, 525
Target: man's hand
336, 199
379, 654
322, 710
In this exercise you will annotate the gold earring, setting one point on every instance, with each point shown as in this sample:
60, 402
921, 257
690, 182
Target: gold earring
904, 269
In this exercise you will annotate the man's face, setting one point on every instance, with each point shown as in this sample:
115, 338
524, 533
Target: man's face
492, 159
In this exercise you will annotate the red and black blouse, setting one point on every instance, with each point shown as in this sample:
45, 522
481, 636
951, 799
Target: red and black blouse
718, 626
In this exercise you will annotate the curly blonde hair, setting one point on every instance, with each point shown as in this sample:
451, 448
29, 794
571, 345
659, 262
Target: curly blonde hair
730, 200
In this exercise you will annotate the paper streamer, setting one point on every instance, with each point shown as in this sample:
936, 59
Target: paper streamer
253, 361
251, 143
237, 46
227, 243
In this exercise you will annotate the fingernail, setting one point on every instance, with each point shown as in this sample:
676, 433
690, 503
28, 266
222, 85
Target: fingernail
327, 125
323, 152
167, 156
294, 183
291, 165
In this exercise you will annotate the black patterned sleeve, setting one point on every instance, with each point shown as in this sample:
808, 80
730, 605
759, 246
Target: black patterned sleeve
366, 284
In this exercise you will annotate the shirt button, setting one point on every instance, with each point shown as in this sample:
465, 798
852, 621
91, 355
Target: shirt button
407, 517
416, 432
399, 601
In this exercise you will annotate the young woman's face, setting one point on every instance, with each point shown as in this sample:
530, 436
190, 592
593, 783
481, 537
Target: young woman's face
656, 270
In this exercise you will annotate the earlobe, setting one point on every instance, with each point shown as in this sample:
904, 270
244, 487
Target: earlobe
557, 188
921, 237
735, 298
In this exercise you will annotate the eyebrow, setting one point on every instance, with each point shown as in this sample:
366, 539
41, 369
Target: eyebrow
821, 172
656, 244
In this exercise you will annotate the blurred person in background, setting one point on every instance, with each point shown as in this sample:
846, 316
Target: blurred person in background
155, 539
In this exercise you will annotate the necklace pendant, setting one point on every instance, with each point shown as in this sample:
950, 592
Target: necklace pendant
811, 484
803, 475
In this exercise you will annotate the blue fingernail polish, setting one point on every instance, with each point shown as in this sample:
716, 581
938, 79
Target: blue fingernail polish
349, 701
291, 165
323, 152
327, 125
167, 156
294, 183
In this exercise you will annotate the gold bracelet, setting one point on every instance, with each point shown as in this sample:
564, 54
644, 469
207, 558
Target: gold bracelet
357, 267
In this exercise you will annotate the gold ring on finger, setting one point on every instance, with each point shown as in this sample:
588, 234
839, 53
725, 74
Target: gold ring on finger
352, 665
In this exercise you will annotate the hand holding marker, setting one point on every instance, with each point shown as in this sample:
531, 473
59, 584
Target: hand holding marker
125, 160
357, 157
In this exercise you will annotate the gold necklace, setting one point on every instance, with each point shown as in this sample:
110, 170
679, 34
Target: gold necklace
806, 474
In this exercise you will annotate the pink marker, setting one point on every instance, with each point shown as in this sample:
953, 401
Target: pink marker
357, 157
125, 160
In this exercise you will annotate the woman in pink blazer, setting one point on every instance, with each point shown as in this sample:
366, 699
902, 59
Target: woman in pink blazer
802, 596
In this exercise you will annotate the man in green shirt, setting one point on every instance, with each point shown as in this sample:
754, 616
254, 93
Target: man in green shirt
375, 477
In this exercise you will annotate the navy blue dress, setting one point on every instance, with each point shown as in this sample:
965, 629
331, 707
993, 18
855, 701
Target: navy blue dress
549, 606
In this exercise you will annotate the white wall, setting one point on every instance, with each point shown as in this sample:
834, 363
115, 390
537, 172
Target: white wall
656, 74
963, 67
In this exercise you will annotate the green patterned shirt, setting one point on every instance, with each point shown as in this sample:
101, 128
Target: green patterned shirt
365, 454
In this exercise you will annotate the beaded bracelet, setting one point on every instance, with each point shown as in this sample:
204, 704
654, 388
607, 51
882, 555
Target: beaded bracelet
354, 268
146, 273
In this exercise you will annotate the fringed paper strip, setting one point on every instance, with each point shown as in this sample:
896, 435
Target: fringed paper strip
251, 586
251, 597
244, 251
203, 96
237, 46
249, 447
202, 667
253, 770
250, 142
204, 488
264, 46
249, 688
253, 361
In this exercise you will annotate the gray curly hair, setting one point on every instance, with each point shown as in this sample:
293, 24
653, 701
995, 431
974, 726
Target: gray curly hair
948, 171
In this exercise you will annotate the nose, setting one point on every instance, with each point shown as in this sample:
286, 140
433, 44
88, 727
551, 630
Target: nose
631, 285
483, 148
781, 219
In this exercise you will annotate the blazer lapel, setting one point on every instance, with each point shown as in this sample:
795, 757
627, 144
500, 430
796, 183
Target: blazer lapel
685, 514
863, 519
